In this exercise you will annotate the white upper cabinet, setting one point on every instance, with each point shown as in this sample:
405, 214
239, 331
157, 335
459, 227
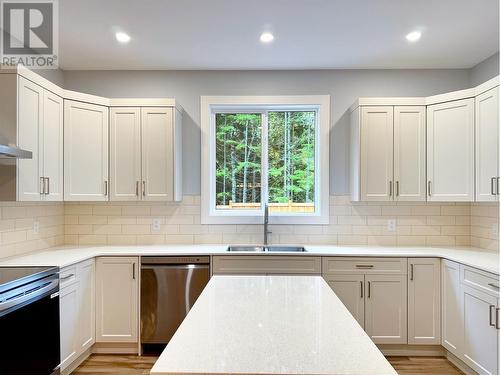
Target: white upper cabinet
450, 151
487, 142
85, 151
409, 153
158, 156
40, 130
376, 153
145, 154
52, 136
29, 128
388, 153
424, 302
125, 154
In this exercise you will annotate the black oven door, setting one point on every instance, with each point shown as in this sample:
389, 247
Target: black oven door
29, 331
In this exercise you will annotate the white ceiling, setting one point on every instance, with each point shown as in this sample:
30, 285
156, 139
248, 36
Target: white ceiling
309, 34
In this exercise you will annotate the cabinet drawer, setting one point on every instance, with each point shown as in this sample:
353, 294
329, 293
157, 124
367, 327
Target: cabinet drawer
67, 276
480, 280
364, 265
263, 265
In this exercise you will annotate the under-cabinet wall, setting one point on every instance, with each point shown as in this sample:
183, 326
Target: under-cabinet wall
358, 223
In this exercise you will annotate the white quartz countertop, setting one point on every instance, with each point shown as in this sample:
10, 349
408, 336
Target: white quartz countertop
270, 325
67, 255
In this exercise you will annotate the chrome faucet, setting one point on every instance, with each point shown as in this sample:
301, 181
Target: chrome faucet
266, 223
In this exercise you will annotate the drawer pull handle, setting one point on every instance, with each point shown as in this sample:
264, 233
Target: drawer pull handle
369, 289
493, 189
364, 265
411, 272
67, 277
497, 319
492, 312
494, 286
361, 285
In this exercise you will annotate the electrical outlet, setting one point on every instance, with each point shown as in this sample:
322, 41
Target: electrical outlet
494, 231
391, 225
36, 227
156, 225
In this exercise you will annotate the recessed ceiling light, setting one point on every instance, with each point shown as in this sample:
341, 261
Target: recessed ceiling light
122, 37
413, 36
266, 37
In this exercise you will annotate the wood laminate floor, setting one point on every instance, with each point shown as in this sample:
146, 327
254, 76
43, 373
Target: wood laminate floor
99, 364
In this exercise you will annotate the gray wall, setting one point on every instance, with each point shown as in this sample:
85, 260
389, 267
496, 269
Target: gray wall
485, 70
344, 86
54, 75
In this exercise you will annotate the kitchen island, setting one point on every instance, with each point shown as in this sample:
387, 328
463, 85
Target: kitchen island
270, 325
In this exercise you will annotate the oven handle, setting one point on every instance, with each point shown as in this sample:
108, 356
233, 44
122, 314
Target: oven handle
26, 297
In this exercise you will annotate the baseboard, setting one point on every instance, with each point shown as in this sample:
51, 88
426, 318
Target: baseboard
399, 350
115, 348
77, 362
461, 365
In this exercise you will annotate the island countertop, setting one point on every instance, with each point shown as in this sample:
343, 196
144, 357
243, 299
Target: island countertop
270, 325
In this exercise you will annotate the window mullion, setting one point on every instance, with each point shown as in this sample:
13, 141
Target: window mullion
264, 161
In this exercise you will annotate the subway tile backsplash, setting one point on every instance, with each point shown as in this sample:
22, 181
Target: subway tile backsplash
130, 223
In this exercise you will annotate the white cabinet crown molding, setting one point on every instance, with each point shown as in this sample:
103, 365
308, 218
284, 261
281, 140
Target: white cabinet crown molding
429, 100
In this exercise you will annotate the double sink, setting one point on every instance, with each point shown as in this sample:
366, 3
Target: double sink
257, 249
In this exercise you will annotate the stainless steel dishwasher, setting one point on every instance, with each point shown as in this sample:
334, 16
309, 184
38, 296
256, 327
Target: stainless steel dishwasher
169, 288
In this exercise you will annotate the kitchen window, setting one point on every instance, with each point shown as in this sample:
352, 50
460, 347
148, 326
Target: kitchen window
261, 151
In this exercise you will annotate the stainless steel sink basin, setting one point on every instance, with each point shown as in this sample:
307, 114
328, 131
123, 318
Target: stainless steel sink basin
246, 248
286, 249
277, 248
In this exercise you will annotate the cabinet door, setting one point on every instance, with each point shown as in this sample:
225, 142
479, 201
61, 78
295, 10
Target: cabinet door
452, 308
480, 334
29, 123
68, 308
487, 139
385, 308
116, 302
86, 305
85, 152
125, 154
157, 154
376, 153
450, 151
409, 153
424, 302
52, 137
350, 290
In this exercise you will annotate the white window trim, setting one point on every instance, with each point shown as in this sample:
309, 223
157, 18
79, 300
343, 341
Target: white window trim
210, 103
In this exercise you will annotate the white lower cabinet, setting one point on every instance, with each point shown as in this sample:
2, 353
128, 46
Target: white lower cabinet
424, 302
471, 325
350, 290
452, 332
385, 309
77, 313
117, 299
86, 305
374, 291
68, 308
480, 331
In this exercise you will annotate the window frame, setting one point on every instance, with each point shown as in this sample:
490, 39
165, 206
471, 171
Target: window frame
211, 105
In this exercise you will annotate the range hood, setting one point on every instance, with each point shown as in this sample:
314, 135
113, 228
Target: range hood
13, 152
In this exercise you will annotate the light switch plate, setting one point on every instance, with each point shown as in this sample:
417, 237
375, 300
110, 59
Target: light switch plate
391, 225
156, 225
